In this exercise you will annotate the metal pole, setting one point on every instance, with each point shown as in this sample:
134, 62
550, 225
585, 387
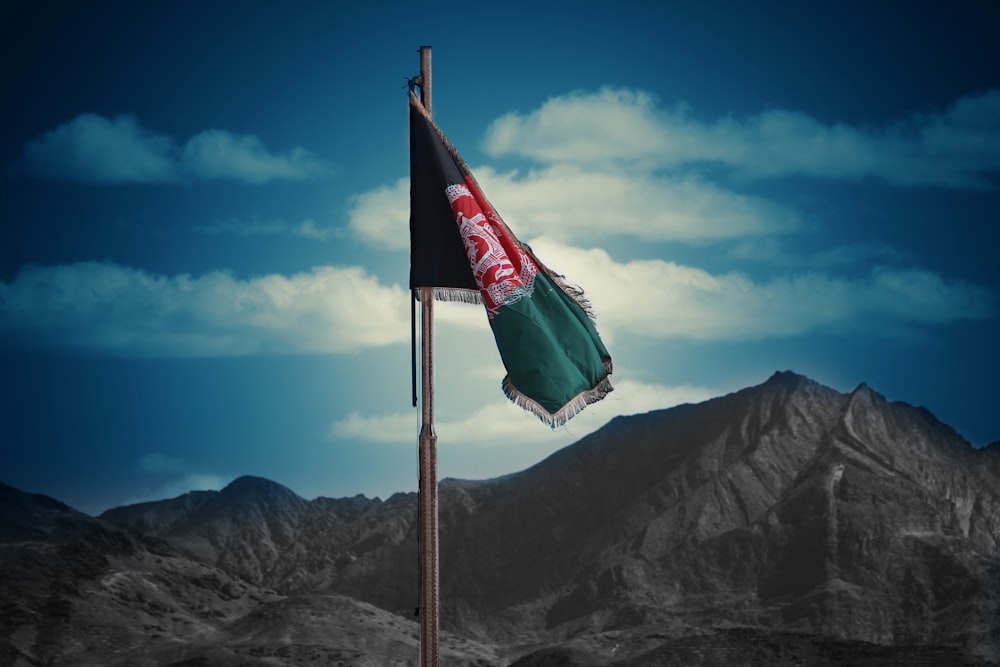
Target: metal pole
429, 620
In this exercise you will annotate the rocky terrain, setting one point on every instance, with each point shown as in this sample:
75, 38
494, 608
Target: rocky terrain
786, 523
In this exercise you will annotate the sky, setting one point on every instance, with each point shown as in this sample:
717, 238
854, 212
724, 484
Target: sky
204, 224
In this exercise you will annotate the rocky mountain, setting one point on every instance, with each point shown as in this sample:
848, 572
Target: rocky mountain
786, 523
786, 506
264, 533
75, 590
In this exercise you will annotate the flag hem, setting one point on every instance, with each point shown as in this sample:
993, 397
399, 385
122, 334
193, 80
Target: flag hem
572, 407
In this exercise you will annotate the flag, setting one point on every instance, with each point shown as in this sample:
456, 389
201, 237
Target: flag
543, 326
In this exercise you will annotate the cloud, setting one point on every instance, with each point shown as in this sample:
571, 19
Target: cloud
492, 423
307, 229
218, 154
615, 125
397, 427
500, 421
579, 203
666, 300
612, 164
635, 397
956, 147
589, 204
381, 217
94, 149
603, 158
110, 308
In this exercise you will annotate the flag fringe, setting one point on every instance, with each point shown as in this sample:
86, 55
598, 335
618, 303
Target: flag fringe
573, 407
573, 291
456, 294
459, 295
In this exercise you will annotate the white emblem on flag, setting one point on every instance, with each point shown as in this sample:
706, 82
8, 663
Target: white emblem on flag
504, 273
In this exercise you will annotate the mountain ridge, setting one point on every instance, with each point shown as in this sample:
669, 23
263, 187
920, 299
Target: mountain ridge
788, 509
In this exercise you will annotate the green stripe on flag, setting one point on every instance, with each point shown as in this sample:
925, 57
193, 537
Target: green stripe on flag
554, 357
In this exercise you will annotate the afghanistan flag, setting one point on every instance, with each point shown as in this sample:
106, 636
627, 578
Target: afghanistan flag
544, 327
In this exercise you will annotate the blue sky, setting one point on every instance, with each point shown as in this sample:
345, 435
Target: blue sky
203, 223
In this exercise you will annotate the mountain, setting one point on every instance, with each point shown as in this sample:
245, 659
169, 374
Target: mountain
264, 533
75, 590
786, 506
786, 523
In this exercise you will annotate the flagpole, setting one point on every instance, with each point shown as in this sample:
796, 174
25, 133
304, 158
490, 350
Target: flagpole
428, 487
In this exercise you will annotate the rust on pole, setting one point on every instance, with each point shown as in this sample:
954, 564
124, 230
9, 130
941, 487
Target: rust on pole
428, 485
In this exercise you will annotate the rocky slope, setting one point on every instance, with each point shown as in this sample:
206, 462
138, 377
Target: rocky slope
786, 521
265, 534
786, 506
81, 591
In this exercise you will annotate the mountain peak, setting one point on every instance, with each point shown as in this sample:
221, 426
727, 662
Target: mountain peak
785, 377
863, 395
864, 389
257, 487
788, 380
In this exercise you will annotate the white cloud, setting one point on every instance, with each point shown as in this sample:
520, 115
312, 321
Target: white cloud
610, 166
603, 156
954, 147
381, 217
110, 308
116, 309
499, 422
661, 299
94, 149
495, 423
636, 397
578, 203
397, 427
218, 154
587, 128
